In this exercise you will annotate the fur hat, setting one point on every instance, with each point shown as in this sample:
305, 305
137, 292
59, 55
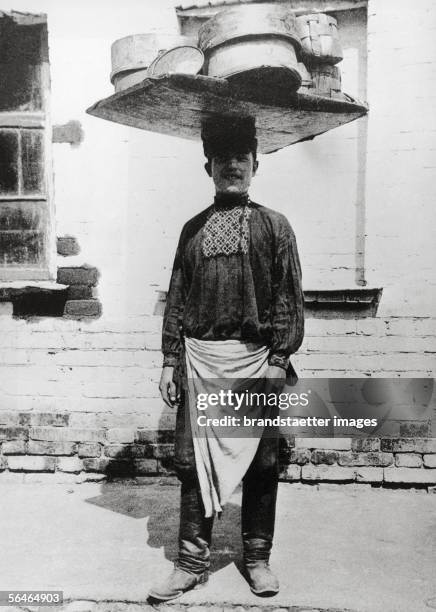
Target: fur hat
229, 134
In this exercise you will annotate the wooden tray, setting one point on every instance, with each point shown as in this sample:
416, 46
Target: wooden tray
177, 105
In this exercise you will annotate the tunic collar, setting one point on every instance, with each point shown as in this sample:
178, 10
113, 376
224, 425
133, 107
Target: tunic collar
230, 200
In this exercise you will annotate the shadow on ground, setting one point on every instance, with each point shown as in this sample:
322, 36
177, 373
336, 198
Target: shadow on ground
159, 500
159, 503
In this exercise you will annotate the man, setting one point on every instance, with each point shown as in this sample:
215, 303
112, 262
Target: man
234, 308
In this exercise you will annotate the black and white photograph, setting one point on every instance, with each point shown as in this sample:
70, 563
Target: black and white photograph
217, 305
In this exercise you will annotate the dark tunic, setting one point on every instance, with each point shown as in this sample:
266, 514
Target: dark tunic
254, 297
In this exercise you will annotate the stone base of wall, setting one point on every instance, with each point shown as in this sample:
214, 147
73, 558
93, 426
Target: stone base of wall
43, 447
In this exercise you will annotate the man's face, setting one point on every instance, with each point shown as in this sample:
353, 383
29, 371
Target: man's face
232, 172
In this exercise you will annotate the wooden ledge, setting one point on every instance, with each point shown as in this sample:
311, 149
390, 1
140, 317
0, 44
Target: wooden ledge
342, 303
13, 289
325, 303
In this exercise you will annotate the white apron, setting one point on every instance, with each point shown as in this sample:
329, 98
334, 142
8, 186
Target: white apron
221, 462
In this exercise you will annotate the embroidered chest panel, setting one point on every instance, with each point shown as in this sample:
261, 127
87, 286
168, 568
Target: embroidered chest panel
226, 231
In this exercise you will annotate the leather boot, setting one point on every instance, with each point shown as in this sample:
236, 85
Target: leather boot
257, 571
191, 569
261, 580
259, 495
177, 583
194, 533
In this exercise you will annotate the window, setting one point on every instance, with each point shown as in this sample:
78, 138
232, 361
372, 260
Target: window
26, 237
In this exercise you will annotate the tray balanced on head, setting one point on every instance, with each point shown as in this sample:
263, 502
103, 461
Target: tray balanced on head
178, 105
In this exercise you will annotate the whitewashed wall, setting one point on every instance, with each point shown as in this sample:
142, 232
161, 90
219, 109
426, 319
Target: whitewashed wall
124, 194
401, 157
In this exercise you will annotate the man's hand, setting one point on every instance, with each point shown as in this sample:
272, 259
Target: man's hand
275, 377
167, 386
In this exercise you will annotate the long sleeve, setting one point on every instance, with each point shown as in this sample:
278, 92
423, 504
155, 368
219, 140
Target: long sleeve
288, 299
172, 320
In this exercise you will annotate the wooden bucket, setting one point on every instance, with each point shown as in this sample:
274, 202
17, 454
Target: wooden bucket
267, 62
248, 20
184, 59
325, 80
253, 47
319, 38
137, 52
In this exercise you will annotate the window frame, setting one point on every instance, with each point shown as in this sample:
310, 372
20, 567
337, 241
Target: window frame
38, 120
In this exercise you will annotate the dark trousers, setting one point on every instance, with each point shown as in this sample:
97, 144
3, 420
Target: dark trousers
259, 494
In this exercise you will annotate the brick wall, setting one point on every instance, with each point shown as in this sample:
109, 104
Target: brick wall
79, 399
42, 446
